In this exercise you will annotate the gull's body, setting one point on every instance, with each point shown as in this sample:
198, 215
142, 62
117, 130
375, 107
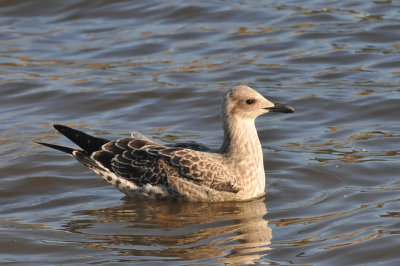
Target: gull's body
141, 167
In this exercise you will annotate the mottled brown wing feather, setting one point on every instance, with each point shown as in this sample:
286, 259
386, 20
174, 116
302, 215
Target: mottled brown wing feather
146, 162
126, 158
201, 168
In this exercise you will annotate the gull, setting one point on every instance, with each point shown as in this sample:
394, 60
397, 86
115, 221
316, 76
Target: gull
140, 167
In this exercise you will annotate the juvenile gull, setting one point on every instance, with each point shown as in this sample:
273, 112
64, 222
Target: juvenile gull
141, 167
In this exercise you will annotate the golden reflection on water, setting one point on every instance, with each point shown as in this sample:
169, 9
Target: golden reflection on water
359, 240
348, 149
231, 233
342, 239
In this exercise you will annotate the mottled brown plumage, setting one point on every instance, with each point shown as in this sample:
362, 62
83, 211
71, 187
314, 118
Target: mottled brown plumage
141, 167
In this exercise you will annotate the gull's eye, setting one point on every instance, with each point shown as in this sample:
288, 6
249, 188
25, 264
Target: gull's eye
250, 101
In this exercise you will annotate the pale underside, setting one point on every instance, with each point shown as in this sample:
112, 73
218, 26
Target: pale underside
148, 169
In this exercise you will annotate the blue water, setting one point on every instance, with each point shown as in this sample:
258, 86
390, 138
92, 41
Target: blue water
161, 68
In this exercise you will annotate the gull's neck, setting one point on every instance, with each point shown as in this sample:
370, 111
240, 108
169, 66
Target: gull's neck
240, 139
242, 152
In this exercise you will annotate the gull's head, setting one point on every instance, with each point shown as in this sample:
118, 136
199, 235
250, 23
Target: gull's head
245, 103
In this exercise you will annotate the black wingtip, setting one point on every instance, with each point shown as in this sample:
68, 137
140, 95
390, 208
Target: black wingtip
66, 131
59, 127
57, 147
86, 142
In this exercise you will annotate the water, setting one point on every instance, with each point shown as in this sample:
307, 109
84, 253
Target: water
110, 67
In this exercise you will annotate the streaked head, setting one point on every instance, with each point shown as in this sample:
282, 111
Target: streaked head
244, 102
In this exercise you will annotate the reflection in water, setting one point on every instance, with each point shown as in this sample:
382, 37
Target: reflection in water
152, 230
351, 149
333, 188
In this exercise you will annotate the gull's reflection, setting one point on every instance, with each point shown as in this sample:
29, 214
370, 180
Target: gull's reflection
148, 231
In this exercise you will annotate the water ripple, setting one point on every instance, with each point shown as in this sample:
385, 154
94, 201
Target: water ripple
110, 67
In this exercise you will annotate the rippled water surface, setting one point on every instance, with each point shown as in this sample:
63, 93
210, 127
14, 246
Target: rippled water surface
161, 67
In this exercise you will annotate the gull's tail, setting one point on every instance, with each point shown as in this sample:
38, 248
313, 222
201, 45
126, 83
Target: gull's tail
89, 144
57, 147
